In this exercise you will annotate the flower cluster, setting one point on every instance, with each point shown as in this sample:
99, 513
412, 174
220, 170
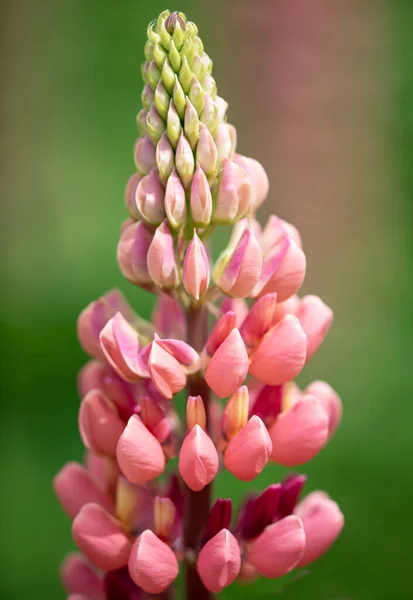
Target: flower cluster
131, 514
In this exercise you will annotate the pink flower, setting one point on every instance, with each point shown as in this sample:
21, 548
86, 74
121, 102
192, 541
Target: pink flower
238, 271
330, 401
219, 561
196, 268
78, 577
99, 423
200, 199
258, 178
121, 347
228, 366
315, 318
198, 459
234, 194
132, 252
152, 563
249, 451
161, 261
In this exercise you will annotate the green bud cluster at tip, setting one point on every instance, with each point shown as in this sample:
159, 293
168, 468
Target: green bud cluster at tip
179, 93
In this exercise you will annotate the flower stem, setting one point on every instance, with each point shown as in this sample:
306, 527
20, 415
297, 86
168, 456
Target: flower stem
197, 504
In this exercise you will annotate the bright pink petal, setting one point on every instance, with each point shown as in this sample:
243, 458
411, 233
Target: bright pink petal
99, 423
120, 344
315, 318
78, 577
259, 320
330, 401
219, 561
289, 277
220, 332
299, 433
248, 452
243, 270
152, 564
198, 459
166, 373
196, 269
228, 367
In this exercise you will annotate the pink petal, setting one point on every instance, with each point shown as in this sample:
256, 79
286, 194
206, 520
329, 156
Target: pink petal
90, 323
201, 199
198, 459
330, 401
168, 318
74, 488
259, 320
228, 366
196, 268
132, 251
299, 433
120, 344
140, 455
130, 195
78, 577
152, 564
289, 277
258, 178
278, 549
175, 202
220, 332
323, 522
184, 353
166, 373
99, 423
161, 258
315, 318
243, 269
281, 355
248, 452
238, 306
219, 561
100, 537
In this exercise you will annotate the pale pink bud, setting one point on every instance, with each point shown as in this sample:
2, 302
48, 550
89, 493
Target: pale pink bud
273, 256
200, 199
315, 318
145, 155
293, 233
152, 563
234, 194
226, 141
130, 196
132, 252
195, 412
198, 459
289, 277
323, 522
184, 160
175, 202
161, 258
278, 549
206, 152
164, 516
120, 344
235, 415
248, 452
74, 488
154, 418
239, 228
164, 157
258, 177
260, 319
228, 366
281, 354
195, 276
220, 332
300, 432
165, 371
99, 423
100, 538
222, 106
150, 198
140, 455
78, 577
237, 306
241, 272
168, 318
330, 401
219, 561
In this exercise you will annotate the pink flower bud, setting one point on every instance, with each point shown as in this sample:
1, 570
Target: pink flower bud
195, 275
99, 423
222, 106
120, 344
200, 199
235, 415
184, 161
78, 577
195, 412
150, 198
152, 563
228, 366
260, 319
198, 459
219, 561
154, 418
323, 522
103, 471
241, 272
161, 258
132, 252
234, 194
237, 306
273, 256
140, 455
74, 488
248, 452
100, 538
289, 277
258, 178
330, 401
145, 155
226, 141
299, 433
130, 196
175, 202
164, 158
220, 332
206, 152
315, 318
165, 371
278, 549
168, 318
164, 518
281, 354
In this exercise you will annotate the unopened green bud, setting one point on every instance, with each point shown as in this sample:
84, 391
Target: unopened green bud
185, 76
164, 158
147, 97
209, 115
141, 121
198, 45
168, 76
184, 160
199, 68
174, 57
152, 35
178, 35
153, 74
179, 98
188, 50
154, 124
162, 100
164, 35
209, 85
159, 55
191, 125
173, 125
196, 95
148, 51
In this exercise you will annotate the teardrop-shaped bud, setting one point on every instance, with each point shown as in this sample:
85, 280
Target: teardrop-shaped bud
258, 177
219, 561
196, 275
152, 563
249, 451
130, 196
228, 366
164, 157
237, 273
161, 258
175, 201
150, 198
184, 160
195, 412
173, 125
226, 141
234, 194
132, 253
235, 415
191, 125
207, 153
198, 459
145, 155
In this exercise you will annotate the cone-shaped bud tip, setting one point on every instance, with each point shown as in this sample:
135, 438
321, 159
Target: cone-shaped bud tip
198, 459
219, 561
152, 563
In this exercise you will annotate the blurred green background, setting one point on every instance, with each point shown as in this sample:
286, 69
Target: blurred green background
322, 93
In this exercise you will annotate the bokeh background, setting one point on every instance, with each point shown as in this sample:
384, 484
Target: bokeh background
321, 92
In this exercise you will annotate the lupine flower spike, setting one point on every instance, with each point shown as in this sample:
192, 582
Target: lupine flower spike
232, 334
